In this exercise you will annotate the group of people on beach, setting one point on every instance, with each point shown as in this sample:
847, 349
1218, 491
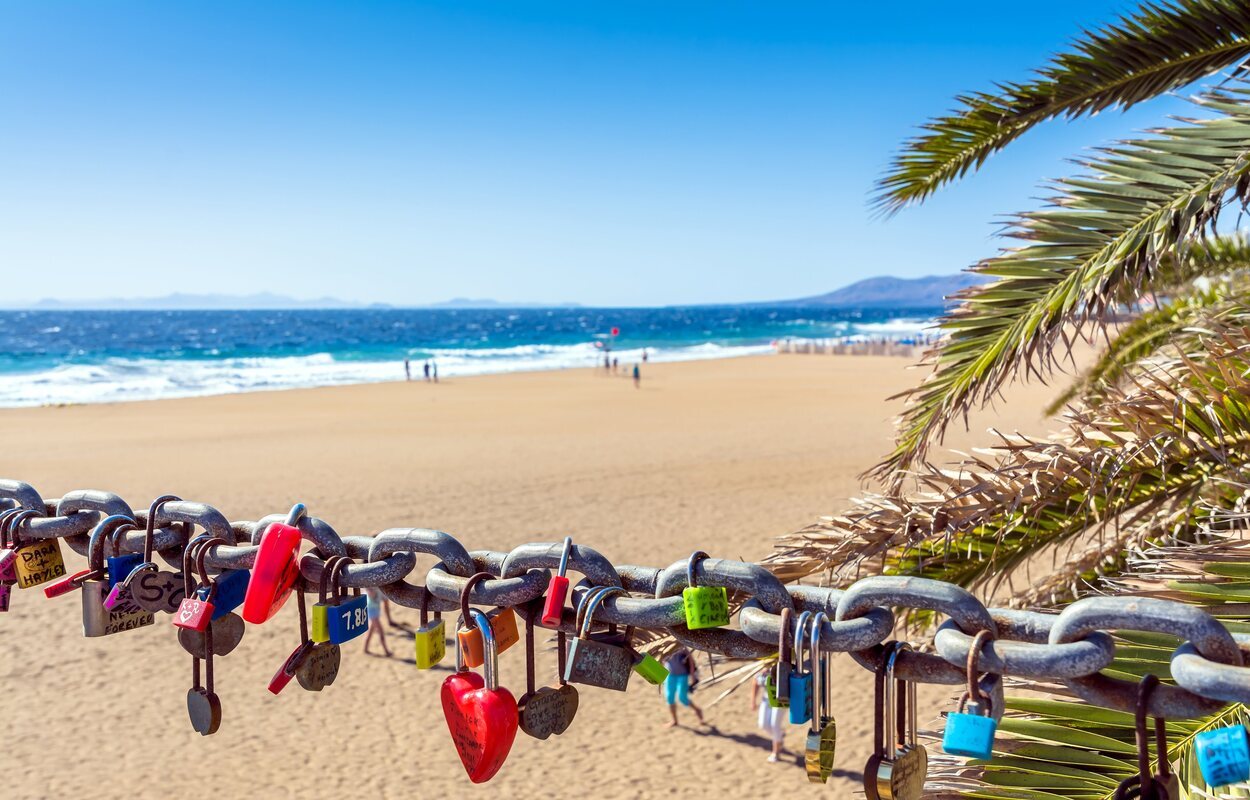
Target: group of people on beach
431, 370
612, 366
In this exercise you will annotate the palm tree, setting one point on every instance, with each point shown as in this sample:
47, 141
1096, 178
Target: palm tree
1149, 476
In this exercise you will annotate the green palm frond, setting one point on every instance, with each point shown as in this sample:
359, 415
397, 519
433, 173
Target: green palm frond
1057, 747
1106, 233
1164, 46
1187, 278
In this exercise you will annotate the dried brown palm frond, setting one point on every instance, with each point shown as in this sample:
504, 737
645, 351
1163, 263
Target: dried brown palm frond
1133, 471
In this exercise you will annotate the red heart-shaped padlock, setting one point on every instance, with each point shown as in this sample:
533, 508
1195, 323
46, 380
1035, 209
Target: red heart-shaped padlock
273, 573
483, 723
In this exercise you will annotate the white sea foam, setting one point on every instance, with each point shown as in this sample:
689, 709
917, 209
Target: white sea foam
126, 379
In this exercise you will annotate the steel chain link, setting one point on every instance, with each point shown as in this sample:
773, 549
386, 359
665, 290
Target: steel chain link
1072, 647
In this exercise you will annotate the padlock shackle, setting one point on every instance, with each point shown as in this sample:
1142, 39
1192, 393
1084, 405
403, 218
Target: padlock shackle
784, 651
100, 533
974, 667
188, 562
125, 527
1144, 690
894, 714
591, 604
490, 655
564, 556
15, 517
336, 575
799, 641
818, 680
465, 617
201, 553
6, 518
327, 576
695, 558
297, 512
149, 531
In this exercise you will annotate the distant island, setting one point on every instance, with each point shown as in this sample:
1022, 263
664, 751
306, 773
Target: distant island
928, 292
931, 291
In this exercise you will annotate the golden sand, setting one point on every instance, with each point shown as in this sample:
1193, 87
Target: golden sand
717, 455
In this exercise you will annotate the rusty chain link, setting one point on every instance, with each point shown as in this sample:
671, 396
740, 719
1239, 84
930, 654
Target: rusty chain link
1072, 647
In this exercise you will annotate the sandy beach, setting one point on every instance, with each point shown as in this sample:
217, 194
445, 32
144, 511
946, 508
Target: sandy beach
718, 455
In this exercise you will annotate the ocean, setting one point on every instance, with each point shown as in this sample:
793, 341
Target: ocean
52, 357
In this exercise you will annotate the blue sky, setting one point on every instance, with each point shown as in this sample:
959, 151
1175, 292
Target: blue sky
611, 153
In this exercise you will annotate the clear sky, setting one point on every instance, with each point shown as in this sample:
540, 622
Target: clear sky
612, 153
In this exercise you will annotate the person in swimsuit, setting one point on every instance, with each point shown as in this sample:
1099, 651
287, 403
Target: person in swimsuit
376, 602
681, 670
772, 721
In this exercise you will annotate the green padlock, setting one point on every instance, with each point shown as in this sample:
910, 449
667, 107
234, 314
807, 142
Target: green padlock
652, 671
705, 606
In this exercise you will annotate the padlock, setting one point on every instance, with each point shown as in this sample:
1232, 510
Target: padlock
651, 670
196, 609
1163, 784
338, 617
1224, 755
502, 625
777, 684
126, 565
431, 637
275, 569
598, 663
8, 549
482, 717
558, 589
546, 710
822, 736
154, 589
290, 667
970, 731
203, 705
899, 764
120, 565
35, 562
705, 606
97, 620
231, 589
123, 587
800, 681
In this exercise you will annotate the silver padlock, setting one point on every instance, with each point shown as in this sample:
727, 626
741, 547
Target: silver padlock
596, 663
126, 614
899, 764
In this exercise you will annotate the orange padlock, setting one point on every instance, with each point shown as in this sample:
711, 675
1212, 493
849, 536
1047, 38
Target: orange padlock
502, 625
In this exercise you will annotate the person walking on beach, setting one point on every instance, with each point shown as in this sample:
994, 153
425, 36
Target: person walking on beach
637, 378
376, 602
616, 365
772, 721
434, 370
682, 669
407, 369
644, 355
607, 364
427, 370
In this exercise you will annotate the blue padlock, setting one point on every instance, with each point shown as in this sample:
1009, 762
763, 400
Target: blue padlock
800, 681
1223, 755
969, 735
348, 619
120, 566
231, 589
970, 730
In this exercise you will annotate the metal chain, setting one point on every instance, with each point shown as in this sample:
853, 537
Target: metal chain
1071, 647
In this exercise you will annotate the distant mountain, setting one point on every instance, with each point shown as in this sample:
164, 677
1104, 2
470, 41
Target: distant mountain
262, 300
930, 291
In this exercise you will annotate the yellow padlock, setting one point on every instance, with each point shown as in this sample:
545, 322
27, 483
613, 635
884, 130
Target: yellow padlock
38, 562
431, 641
320, 629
